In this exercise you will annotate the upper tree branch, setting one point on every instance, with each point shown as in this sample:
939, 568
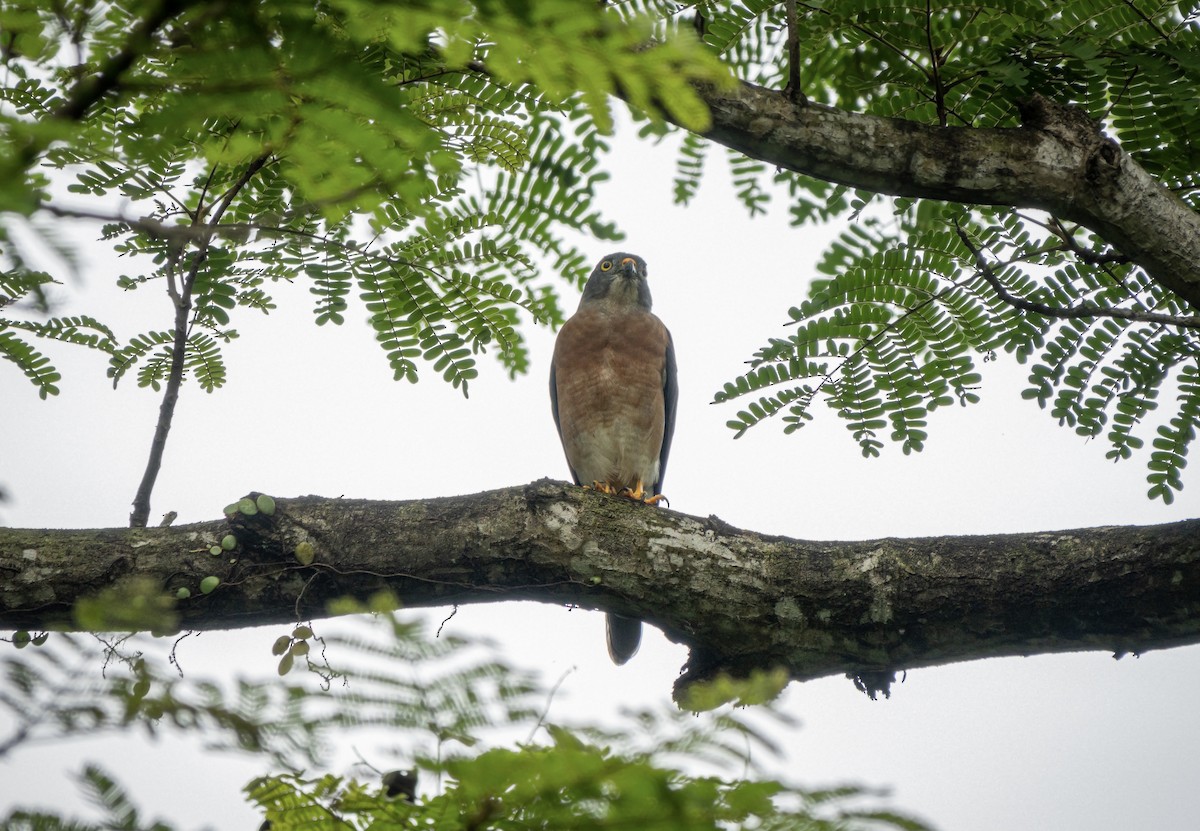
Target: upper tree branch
738, 599
1058, 162
88, 92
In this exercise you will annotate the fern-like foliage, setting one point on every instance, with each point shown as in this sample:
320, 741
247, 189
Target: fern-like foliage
450, 710
23, 289
414, 159
903, 308
118, 809
417, 165
567, 783
897, 329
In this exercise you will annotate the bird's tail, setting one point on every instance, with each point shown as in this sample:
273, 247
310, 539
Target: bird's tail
624, 637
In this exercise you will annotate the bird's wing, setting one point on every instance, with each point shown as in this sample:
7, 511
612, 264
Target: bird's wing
670, 400
554, 410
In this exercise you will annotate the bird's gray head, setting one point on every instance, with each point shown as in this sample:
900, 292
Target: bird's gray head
620, 279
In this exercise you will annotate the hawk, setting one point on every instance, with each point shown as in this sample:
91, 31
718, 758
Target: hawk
613, 391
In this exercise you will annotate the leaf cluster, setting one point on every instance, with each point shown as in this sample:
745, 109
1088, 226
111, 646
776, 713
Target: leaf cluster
903, 316
23, 287
902, 312
453, 711
423, 159
68, 686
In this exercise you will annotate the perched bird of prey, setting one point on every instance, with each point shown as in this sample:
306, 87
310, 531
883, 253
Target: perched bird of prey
613, 390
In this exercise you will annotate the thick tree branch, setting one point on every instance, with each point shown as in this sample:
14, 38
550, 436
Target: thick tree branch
1058, 161
740, 600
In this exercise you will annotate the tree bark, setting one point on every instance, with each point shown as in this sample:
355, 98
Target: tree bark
739, 600
1059, 161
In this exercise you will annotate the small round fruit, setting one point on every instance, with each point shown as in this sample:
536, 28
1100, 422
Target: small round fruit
305, 553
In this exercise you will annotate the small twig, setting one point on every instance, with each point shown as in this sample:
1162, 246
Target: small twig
1070, 312
1147, 20
446, 620
173, 658
549, 700
1084, 255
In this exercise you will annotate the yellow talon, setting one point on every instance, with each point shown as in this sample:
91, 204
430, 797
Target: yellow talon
638, 494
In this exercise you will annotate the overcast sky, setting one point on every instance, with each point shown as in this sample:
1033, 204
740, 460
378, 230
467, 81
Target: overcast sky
1063, 742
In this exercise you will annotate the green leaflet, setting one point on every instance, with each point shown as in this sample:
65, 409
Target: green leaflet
36, 366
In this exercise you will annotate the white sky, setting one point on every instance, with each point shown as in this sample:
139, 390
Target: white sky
1063, 742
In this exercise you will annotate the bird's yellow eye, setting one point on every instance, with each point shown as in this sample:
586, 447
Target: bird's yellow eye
606, 265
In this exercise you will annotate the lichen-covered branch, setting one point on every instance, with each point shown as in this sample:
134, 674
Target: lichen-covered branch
739, 600
1058, 161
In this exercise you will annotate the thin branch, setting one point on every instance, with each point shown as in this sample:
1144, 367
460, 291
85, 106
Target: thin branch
935, 70
985, 270
166, 410
793, 89
160, 230
1149, 21
1085, 255
183, 308
954, 43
